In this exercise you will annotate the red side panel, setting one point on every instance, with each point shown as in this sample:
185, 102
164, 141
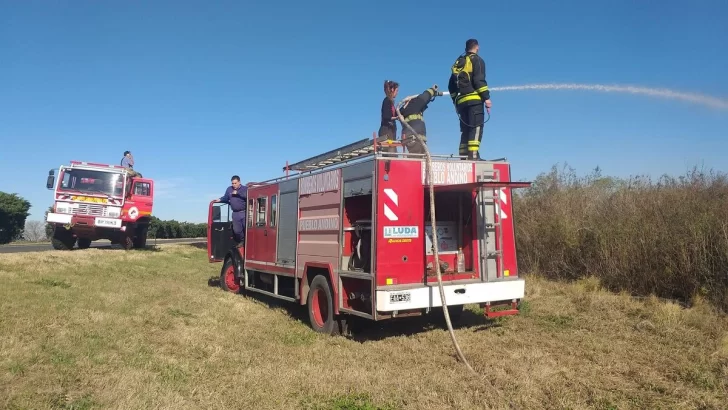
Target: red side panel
504, 215
319, 220
400, 235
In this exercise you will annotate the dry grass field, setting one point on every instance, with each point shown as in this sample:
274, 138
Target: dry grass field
104, 328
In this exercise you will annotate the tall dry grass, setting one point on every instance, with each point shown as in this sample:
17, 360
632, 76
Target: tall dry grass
667, 237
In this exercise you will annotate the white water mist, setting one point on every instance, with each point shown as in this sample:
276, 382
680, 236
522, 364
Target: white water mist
702, 99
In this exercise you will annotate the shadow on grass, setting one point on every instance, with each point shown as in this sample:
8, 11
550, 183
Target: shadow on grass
364, 330
198, 245
369, 331
147, 248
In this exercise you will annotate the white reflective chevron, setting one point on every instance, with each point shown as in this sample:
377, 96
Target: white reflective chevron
388, 212
504, 201
392, 195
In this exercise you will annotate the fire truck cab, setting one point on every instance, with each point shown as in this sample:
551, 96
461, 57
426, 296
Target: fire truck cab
94, 201
350, 234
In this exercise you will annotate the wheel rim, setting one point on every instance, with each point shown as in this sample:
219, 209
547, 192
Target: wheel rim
230, 279
320, 307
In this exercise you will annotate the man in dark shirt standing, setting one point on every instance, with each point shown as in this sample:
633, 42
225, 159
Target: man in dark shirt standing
236, 196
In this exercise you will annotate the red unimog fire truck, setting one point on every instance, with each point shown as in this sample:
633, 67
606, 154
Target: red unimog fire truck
99, 201
350, 235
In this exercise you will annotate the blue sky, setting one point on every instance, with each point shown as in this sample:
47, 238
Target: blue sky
199, 91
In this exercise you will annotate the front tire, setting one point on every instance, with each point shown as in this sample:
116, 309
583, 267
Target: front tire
84, 243
140, 242
321, 307
62, 239
127, 242
228, 279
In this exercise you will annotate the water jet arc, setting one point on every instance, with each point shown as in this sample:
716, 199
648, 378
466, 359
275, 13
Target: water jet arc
702, 99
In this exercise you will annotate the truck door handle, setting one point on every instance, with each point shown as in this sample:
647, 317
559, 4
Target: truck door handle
220, 230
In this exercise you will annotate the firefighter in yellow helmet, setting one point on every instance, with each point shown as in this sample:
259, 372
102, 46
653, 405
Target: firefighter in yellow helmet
469, 91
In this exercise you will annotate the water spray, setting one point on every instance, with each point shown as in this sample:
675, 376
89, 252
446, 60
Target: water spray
702, 99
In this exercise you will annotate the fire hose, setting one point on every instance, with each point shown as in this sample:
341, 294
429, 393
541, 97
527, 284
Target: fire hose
428, 160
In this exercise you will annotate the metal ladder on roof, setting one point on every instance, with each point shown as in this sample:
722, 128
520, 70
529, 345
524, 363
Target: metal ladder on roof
339, 155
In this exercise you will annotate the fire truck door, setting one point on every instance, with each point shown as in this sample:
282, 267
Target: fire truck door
265, 226
220, 232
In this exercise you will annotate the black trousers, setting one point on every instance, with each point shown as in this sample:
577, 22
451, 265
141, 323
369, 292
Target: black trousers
411, 141
471, 129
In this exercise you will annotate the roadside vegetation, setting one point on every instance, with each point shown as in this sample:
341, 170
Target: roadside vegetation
104, 328
666, 237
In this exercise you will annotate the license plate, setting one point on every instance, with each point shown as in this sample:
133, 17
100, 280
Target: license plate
399, 297
108, 222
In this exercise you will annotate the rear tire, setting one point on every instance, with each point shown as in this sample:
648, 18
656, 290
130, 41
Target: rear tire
321, 307
84, 243
228, 279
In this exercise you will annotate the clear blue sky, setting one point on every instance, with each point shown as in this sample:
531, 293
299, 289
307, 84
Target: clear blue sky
199, 91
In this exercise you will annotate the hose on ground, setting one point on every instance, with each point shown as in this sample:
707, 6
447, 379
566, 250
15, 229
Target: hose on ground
428, 160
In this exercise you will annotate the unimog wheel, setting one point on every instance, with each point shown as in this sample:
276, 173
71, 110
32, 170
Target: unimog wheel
140, 241
84, 243
62, 239
127, 242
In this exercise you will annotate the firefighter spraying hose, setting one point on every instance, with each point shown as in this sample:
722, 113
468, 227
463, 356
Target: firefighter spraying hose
433, 218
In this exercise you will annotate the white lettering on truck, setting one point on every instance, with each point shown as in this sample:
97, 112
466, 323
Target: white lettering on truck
319, 183
319, 224
448, 173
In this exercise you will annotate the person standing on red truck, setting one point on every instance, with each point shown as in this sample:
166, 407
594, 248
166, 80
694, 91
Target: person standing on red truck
236, 195
388, 126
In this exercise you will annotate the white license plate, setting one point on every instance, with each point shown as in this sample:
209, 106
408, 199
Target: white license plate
108, 222
400, 297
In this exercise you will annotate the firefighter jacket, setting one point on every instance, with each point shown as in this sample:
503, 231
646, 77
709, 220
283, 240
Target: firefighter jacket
467, 84
412, 112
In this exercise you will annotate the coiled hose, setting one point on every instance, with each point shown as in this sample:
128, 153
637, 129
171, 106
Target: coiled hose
428, 160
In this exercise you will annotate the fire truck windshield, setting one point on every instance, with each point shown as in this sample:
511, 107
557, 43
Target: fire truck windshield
92, 182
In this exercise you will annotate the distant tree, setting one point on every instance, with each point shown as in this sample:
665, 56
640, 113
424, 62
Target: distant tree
13, 213
34, 231
49, 227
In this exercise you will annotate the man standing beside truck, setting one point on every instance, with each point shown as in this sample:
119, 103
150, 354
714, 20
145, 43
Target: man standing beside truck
236, 195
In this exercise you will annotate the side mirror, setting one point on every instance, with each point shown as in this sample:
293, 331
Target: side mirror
51, 180
216, 214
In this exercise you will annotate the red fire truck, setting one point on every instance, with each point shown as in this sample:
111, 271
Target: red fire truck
98, 201
350, 235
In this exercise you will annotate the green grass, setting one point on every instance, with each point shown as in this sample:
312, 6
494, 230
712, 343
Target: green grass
105, 328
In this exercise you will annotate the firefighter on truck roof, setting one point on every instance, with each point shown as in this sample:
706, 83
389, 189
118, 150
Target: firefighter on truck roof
127, 161
236, 195
388, 126
469, 90
412, 113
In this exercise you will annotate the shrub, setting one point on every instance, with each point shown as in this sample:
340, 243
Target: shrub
668, 238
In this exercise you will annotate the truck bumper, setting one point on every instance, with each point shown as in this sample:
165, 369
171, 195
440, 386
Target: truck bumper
86, 221
468, 293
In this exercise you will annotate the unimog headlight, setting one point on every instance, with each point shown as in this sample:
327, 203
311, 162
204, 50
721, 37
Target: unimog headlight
113, 211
